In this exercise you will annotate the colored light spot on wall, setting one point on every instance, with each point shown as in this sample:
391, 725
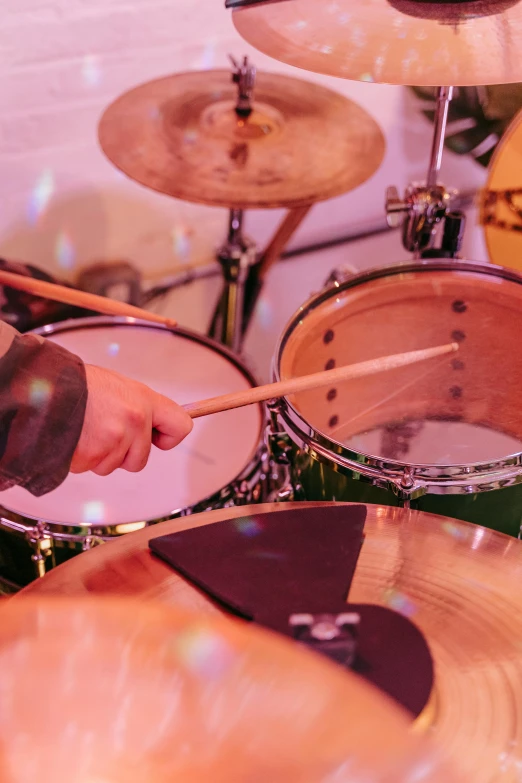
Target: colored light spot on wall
181, 241
91, 71
265, 313
64, 252
113, 349
40, 196
208, 57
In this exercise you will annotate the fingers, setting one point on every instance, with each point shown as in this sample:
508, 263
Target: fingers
170, 421
123, 419
138, 454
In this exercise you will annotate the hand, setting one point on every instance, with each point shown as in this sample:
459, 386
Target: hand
123, 418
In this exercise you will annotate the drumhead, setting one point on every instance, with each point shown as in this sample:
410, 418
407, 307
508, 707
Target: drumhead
458, 409
184, 367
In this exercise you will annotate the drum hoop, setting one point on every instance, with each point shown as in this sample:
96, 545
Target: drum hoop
410, 477
251, 473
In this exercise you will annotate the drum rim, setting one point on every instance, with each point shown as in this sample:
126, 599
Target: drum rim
252, 469
408, 477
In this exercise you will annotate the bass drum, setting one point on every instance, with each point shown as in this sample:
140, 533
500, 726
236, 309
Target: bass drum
443, 436
220, 464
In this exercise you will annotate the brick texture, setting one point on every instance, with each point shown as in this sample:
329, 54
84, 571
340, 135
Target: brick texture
63, 204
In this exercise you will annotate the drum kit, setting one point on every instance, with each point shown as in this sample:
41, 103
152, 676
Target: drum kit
435, 449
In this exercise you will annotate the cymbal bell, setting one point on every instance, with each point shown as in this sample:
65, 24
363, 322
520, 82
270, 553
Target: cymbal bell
301, 144
410, 42
123, 691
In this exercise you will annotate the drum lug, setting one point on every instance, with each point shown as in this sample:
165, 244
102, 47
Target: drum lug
281, 449
241, 494
407, 488
340, 275
279, 446
41, 542
284, 494
90, 542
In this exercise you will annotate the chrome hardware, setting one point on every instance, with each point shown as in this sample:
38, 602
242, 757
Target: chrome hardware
236, 257
340, 275
244, 75
89, 542
332, 634
423, 206
420, 212
41, 543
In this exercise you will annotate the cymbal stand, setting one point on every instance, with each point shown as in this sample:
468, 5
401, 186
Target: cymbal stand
424, 206
236, 257
238, 253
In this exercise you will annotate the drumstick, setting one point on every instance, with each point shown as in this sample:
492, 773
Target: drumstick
315, 381
60, 293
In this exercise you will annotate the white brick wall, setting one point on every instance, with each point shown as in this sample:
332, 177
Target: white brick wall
63, 204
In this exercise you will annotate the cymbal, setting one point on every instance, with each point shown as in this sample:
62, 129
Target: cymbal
123, 691
411, 42
500, 204
456, 581
181, 136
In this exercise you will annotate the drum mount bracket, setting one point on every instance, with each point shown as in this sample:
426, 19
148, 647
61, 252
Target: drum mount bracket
424, 206
420, 212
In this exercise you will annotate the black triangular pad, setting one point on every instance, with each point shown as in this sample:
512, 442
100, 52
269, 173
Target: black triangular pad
297, 557
266, 567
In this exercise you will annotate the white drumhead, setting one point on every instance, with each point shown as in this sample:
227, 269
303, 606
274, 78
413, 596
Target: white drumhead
216, 451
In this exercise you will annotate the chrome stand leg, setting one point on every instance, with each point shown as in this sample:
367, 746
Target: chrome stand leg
235, 257
444, 98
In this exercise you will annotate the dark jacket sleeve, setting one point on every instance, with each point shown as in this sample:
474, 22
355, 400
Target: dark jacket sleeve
43, 396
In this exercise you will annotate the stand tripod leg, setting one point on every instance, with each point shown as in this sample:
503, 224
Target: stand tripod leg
227, 322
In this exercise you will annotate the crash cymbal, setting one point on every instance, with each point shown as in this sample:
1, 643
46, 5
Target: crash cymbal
181, 136
456, 581
412, 42
501, 200
121, 691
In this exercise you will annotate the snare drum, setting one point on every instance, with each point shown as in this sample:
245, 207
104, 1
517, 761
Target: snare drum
444, 435
220, 463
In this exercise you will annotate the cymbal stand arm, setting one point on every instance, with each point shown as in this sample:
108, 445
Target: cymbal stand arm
424, 206
444, 98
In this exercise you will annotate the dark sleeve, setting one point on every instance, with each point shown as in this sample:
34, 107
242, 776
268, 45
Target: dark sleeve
43, 395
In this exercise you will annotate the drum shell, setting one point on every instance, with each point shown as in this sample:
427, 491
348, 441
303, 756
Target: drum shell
30, 546
322, 468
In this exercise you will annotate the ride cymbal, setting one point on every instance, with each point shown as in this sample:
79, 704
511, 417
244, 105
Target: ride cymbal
122, 691
411, 42
301, 144
501, 200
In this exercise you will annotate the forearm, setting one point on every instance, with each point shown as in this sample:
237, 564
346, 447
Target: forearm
43, 395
